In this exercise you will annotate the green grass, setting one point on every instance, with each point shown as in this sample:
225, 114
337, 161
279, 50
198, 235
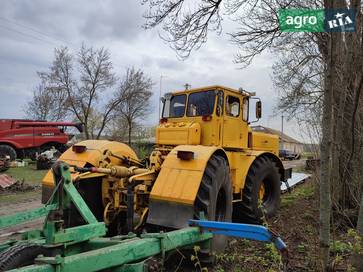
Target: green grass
30, 176
306, 155
28, 173
299, 192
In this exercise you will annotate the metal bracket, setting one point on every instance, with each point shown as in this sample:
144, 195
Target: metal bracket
65, 195
161, 236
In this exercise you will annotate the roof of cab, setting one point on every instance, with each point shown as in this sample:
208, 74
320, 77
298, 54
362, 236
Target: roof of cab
213, 87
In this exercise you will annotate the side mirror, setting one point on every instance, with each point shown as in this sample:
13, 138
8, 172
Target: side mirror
162, 99
258, 109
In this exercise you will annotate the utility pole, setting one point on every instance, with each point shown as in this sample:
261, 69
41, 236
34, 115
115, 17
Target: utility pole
161, 81
282, 132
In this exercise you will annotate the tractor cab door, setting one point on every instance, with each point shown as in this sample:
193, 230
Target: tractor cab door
234, 127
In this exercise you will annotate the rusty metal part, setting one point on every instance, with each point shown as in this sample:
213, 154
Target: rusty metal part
156, 159
6, 181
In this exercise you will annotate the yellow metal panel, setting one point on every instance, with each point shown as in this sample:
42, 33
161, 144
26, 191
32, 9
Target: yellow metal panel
264, 141
48, 178
179, 180
179, 185
93, 155
177, 133
239, 163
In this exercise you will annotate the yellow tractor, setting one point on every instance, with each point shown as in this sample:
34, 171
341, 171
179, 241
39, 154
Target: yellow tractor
206, 160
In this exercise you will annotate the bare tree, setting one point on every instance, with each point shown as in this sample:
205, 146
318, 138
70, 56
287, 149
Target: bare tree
300, 78
326, 156
87, 93
116, 129
186, 24
338, 98
358, 258
46, 104
134, 93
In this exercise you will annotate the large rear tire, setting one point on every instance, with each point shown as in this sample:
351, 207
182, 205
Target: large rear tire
214, 199
261, 193
19, 255
7, 150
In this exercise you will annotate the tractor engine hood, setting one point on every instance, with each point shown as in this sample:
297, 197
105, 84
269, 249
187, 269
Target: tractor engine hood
178, 133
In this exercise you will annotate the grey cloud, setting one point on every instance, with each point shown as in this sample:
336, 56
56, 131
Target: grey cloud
122, 21
116, 25
74, 21
170, 64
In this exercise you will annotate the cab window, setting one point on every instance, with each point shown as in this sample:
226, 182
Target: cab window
201, 103
245, 109
219, 108
175, 106
232, 106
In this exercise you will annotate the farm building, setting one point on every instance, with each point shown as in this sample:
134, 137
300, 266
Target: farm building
286, 142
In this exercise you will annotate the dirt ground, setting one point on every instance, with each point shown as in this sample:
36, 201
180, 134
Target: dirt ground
10, 204
298, 225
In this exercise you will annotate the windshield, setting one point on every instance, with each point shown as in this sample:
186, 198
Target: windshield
201, 103
175, 106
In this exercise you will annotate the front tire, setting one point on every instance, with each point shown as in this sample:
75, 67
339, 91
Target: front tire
7, 150
261, 194
214, 199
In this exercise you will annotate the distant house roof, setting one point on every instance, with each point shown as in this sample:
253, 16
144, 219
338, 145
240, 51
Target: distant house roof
282, 136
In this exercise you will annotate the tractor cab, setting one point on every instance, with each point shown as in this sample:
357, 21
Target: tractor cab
212, 116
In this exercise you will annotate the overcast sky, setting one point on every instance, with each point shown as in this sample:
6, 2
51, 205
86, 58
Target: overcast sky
31, 29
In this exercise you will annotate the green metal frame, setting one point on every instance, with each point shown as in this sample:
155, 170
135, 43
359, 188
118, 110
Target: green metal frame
66, 194
118, 257
63, 196
83, 248
22, 217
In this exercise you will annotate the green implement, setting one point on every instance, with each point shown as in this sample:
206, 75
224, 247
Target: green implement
22, 217
59, 247
115, 256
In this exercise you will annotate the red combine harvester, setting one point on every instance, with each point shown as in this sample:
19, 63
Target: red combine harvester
24, 138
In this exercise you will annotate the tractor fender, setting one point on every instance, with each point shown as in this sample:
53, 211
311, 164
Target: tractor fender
176, 187
273, 157
285, 173
242, 162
